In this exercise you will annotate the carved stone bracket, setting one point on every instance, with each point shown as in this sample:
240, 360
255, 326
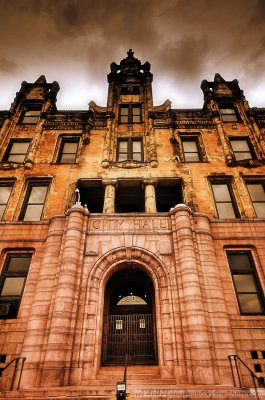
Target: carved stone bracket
6, 165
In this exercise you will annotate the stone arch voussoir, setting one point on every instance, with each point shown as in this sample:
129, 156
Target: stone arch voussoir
112, 261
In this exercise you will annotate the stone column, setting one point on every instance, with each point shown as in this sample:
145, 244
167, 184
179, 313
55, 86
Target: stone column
197, 343
150, 132
37, 324
218, 315
4, 133
36, 140
150, 195
224, 140
5, 127
61, 334
109, 198
258, 134
107, 145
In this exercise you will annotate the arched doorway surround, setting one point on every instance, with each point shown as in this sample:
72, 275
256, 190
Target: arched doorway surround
168, 334
129, 327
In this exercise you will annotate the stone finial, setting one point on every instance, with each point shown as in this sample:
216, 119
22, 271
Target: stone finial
179, 207
130, 53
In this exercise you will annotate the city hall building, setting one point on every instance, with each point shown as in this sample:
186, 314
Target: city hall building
131, 233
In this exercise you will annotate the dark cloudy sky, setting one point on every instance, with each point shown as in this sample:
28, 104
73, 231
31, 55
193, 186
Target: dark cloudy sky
186, 41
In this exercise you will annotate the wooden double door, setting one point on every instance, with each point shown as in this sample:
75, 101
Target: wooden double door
129, 331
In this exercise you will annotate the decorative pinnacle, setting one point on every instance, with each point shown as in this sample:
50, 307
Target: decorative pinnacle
130, 53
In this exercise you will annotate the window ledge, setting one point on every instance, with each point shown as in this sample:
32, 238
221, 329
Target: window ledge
129, 164
64, 163
195, 162
249, 163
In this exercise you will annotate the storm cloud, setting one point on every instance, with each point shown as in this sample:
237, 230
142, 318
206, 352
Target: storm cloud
185, 41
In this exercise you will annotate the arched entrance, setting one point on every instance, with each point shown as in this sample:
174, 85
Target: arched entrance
129, 327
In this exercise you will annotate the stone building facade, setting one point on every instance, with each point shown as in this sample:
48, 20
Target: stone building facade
132, 232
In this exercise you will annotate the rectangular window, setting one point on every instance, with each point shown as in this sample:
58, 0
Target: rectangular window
241, 148
191, 149
32, 114
224, 201
130, 149
34, 201
257, 194
130, 114
246, 283
17, 150
228, 113
5, 191
68, 150
12, 282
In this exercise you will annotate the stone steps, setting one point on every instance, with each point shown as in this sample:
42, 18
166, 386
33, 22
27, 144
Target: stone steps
149, 391
135, 376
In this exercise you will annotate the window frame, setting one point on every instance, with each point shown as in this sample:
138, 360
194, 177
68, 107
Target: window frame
30, 185
27, 109
13, 300
248, 142
130, 116
232, 107
252, 271
130, 153
9, 147
233, 202
194, 139
6, 184
67, 139
255, 182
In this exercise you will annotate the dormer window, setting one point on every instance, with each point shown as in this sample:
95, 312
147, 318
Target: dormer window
228, 113
31, 114
130, 114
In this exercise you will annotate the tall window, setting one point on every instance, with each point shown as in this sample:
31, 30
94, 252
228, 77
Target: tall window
5, 191
12, 282
246, 283
224, 201
17, 150
68, 150
130, 149
257, 195
130, 113
34, 201
241, 148
191, 149
228, 113
31, 114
